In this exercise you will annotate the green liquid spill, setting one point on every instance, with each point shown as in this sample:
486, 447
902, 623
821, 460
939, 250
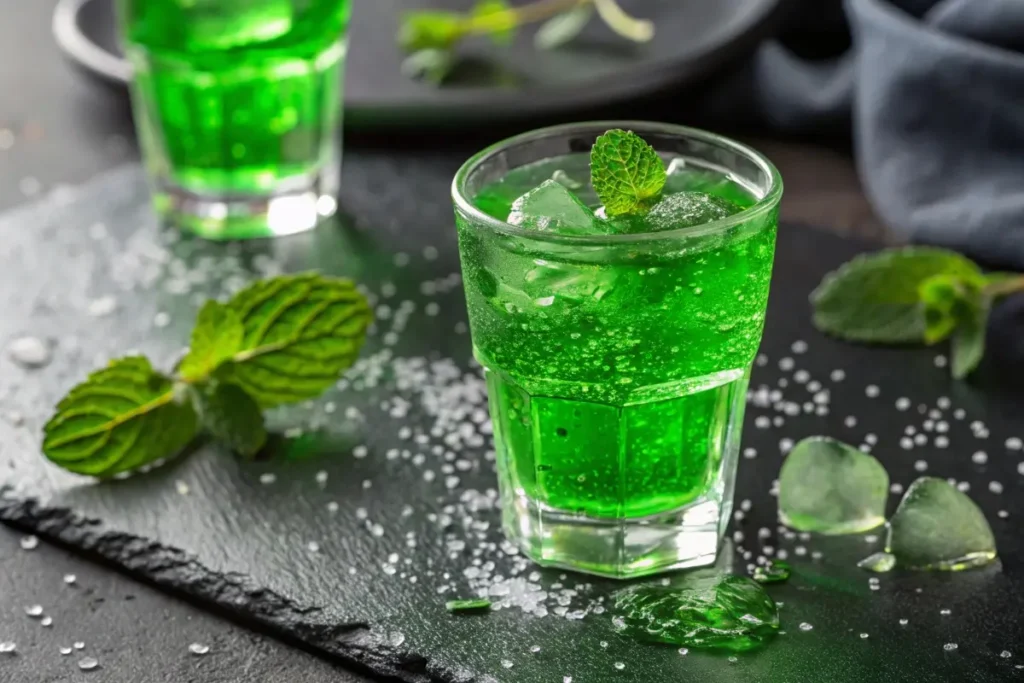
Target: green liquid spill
774, 572
718, 612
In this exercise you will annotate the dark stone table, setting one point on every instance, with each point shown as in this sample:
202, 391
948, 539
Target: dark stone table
62, 131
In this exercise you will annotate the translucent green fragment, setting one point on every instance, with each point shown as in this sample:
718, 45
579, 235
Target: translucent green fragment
829, 487
938, 527
700, 611
878, 562
477, 605
774, 572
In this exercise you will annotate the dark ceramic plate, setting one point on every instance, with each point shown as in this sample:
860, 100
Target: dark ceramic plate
695, 39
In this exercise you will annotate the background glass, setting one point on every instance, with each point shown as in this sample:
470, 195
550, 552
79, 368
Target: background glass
617, 365
237, 104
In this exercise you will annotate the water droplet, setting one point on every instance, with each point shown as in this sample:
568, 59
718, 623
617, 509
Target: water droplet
806, 627
181, 487
507, 663
566, 679
29, 542
65, 651
34, 611
332, 507
198, 648
535, 649
396, 638
47, 622
603, 643
7, 647
863, 636
945, 612
949, 647
321, 477
88, 663
313, 547
79, 645
103, 306
619, 665
904, 622
29, 352
268, 478
1005, 654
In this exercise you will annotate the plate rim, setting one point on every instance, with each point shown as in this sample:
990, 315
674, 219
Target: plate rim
467, 106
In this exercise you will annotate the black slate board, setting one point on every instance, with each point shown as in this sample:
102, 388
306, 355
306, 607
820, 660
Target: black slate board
694, 40
242, 545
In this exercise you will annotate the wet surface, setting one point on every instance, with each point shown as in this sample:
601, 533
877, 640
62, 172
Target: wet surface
379, 506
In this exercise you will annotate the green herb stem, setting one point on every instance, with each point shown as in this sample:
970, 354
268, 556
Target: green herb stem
518, 16
1005, 287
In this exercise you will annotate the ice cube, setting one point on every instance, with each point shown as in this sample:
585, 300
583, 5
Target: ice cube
937, 526
679, 210
551, 207
832, 488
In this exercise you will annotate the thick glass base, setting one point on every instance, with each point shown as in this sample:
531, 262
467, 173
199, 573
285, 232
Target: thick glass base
297, 205
619, 491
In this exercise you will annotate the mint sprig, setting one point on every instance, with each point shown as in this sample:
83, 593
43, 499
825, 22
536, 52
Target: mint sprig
430, 37
626, 172
278, 341
913, 295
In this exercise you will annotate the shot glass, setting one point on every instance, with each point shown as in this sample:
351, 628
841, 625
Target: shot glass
237, 104
617, 365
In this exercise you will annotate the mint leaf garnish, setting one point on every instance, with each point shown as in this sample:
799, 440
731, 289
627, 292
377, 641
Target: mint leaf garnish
627, 174
431, 29
216, 337
279, 340
498, 17
561, 28
122, 417
301, 331
832, 488
877, 298
938, 527
233, 418
475, 605
967, 347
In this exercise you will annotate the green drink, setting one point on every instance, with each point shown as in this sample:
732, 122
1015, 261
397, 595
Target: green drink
617, 352
237, 103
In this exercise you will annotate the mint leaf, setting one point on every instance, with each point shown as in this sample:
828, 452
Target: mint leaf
430, 65
832, 488
561, 28
216, 337
876, 298
431, 29
301, 332
496, 18
938, 527
122, 417
473, 605
233, 418
627, 174
941, 296
968, 344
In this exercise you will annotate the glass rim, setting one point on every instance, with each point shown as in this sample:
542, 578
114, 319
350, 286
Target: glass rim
766, 203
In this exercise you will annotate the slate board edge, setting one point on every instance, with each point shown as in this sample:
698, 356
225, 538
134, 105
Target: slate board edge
230, 593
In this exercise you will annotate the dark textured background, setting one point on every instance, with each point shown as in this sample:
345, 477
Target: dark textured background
63, 131
242, 545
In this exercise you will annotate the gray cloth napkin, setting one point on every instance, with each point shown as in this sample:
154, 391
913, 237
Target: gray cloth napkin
935, 89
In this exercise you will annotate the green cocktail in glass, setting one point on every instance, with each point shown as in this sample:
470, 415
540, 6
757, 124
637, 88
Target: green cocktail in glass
237, 104
617, 352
